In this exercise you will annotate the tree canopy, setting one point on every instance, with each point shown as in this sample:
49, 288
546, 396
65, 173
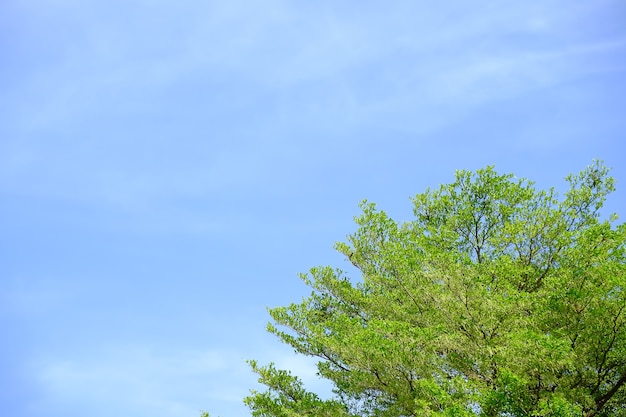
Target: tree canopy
496, 299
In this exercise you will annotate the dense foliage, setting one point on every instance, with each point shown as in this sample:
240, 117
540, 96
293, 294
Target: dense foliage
497, 299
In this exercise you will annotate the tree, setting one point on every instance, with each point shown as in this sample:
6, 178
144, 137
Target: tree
497, 299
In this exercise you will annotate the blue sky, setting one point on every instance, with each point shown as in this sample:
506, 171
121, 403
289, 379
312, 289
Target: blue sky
168, 168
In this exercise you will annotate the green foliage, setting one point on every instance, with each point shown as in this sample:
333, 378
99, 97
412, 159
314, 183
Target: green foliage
497, 299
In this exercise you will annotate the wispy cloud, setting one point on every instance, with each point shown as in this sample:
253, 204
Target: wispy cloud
74, 123
143, 380
278, 46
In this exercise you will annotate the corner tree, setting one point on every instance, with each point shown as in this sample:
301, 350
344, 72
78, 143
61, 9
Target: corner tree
497, 299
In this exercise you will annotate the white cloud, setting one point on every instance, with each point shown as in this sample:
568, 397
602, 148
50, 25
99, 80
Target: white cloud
75, 122
143, 381
424, 55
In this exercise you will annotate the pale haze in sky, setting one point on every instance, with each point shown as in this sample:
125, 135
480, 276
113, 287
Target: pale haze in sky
168, 168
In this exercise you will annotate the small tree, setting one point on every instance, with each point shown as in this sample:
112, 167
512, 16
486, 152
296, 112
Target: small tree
497, 299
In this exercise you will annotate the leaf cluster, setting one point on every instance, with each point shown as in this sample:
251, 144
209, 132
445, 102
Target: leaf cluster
497, 299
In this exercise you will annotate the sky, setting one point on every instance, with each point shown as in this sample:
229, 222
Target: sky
167, 169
